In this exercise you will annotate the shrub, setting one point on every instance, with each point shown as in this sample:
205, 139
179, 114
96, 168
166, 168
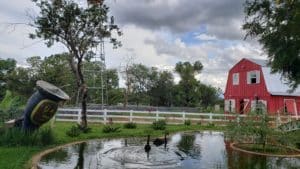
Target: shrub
187, 122
130, 125
159, 125
46, 136
210, 125
110, 129
74, 131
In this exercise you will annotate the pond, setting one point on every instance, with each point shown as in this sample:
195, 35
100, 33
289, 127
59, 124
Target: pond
207, 150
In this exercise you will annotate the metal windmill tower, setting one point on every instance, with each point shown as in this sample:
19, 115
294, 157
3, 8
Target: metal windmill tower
96, 71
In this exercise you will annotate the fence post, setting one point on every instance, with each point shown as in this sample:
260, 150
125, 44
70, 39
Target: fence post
238, 119
210, 117
183, 117
130, 118
157, 115
105, 116
79, 116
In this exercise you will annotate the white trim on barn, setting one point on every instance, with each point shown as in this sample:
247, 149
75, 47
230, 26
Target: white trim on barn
229, 105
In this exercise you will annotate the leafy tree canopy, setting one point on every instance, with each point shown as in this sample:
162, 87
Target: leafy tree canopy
276, 24
6, 67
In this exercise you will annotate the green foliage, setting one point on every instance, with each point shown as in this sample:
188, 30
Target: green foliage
74, 131
159, 125
6, 67
10, 101
276, 26
162, 84
130, 125
46, 136
187, 122
253, 128
110, 129
17, 137
210, 125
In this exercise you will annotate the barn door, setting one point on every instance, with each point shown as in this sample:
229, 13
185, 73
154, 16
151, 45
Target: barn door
247, 105
290, 106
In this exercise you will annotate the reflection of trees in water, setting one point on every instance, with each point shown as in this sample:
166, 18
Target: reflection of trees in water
58, 156
187, 145
80, 161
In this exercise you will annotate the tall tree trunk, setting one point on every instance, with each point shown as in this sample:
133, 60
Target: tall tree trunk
81, 87
84, 93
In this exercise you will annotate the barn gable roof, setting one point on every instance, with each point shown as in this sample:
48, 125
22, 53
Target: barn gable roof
276, 85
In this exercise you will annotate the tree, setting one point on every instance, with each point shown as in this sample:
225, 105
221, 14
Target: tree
187, 91
276, 25
138, 76
161, 89
80, 30
208, 95
21, 82
6, 67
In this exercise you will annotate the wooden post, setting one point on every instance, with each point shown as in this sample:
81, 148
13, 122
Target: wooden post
78, 116
157, 115
210, 117
105, 116
183, 117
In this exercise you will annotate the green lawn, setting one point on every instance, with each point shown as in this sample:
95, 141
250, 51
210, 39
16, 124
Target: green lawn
19, 157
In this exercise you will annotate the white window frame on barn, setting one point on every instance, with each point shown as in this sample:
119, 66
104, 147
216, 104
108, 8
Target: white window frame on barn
253, 77
229, 105
259, 106
235, 79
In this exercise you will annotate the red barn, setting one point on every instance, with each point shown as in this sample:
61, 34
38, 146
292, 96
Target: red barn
251, 86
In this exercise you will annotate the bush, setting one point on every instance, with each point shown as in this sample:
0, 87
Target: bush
159, 125
210, 125
46, 136
129, 125
110, 129
187, 122
74, 131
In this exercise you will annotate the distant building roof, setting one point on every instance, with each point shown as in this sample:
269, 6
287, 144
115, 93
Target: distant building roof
275, 83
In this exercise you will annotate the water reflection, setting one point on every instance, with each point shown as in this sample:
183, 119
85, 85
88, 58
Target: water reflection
80, 161
192, 150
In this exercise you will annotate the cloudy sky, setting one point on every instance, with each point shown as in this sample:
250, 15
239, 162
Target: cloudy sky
156, 33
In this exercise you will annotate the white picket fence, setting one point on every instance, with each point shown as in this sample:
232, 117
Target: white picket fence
147, 117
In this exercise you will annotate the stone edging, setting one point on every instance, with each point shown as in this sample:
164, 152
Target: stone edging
232, 145
36, 158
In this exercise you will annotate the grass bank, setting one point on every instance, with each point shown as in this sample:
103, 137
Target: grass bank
18, 157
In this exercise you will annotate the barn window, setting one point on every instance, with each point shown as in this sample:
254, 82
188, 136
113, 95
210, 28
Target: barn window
253, 77
235, 78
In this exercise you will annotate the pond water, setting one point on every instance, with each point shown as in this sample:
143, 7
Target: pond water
205, 150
